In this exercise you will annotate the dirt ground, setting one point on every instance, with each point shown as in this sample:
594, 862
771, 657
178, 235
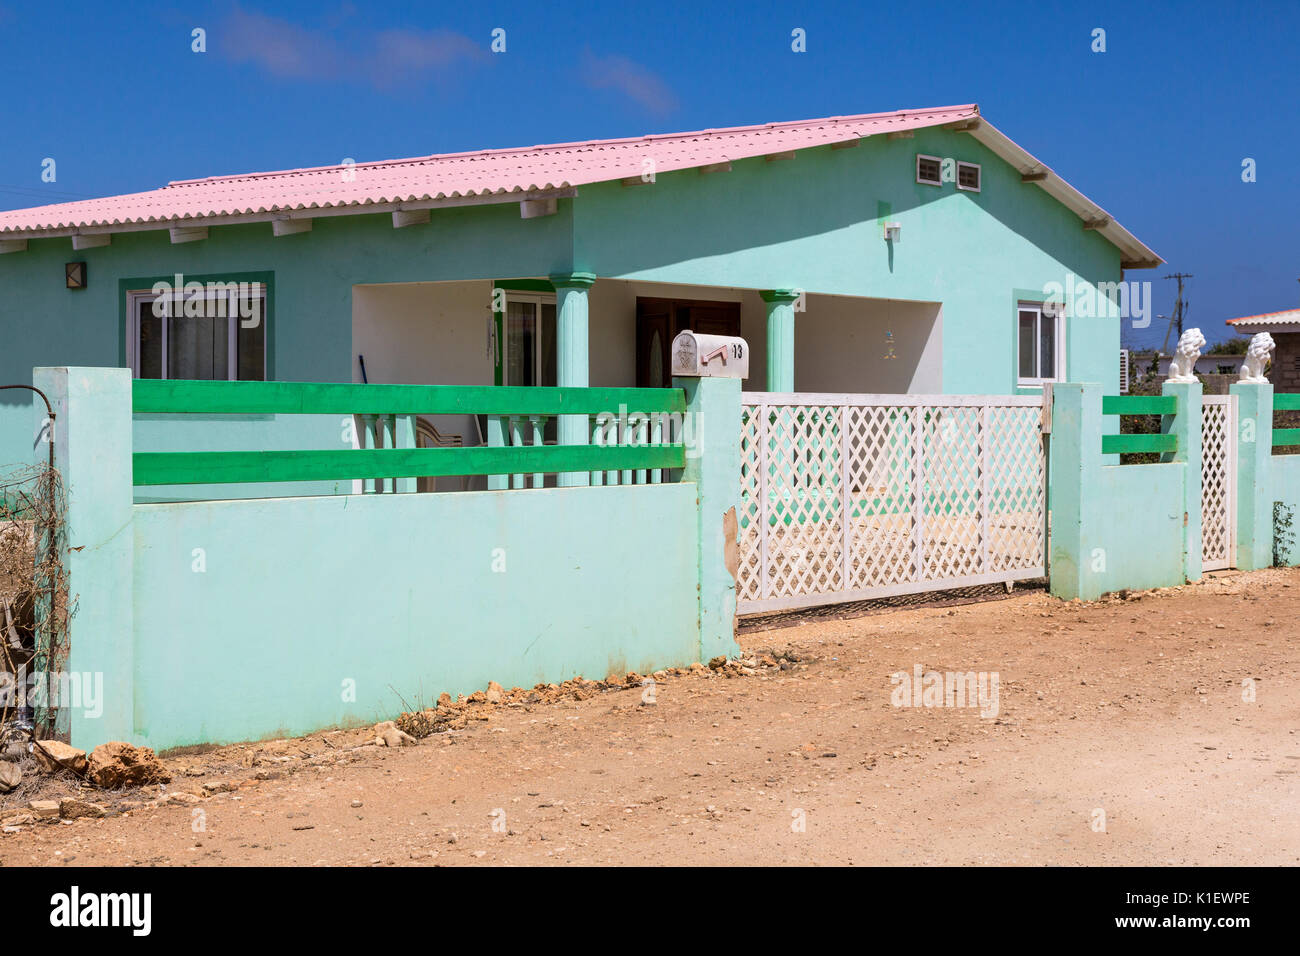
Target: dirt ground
1128, 712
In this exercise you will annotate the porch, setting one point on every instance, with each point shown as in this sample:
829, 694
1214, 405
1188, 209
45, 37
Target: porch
579, 330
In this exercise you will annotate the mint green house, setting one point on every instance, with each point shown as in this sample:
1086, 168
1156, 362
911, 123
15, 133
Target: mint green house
906, 252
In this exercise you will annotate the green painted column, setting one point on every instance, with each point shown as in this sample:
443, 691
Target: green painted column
92, 452
1186, 424
1074, 491
1254, 475
712, 439
571, 358
780, 338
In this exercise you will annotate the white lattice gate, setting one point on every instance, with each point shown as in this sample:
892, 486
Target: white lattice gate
1218, 482
848, 497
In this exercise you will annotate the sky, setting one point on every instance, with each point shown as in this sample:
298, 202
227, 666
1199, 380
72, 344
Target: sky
1155, 128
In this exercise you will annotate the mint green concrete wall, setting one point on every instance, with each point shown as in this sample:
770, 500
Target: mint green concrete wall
1285, 471
217, 621
812, 222
1256, 476
1139, 528
1115, 526
301, 595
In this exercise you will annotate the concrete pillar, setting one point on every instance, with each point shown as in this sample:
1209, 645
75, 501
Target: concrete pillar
780, 338
572, 358
713, 464
1074, 481
92, 452
1254, 475
1186, 424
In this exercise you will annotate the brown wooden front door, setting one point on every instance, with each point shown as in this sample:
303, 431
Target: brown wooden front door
658, 321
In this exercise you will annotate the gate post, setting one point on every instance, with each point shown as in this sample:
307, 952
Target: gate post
1185, 423
92, 452
712, 439
1074, 490
1254, 438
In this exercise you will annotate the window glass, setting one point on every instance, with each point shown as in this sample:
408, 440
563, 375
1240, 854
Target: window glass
548, 372
250, 344
197, 347
149, 350
1047, 347
1028, 343
520, 356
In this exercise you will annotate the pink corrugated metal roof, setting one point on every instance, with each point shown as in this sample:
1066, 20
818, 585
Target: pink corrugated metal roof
459, 175
1285, 317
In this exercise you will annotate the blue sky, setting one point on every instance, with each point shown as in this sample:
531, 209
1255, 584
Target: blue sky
1155, 129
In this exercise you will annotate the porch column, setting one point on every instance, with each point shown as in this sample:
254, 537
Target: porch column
780, 338
571, 366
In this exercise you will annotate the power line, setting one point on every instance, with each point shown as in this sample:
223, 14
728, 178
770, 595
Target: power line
1180, 309
39, 191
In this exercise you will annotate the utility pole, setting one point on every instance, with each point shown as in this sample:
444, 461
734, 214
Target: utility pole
1179, 308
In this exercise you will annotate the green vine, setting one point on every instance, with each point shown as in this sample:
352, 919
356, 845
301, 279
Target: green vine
1283, 539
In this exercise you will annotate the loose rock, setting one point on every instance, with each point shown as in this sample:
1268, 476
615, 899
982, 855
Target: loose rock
117, 764
44, 809
55, 755
70, 808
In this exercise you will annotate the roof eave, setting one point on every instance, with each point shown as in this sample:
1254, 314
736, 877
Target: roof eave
1134, 253
289, 212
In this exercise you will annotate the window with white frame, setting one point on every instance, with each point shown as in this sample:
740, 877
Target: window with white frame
1040, 343
968, 176
929, 170
212, 331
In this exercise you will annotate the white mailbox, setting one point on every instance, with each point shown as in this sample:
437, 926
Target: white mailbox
710, 356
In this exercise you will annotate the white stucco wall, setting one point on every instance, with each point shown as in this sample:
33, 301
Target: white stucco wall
435, 333
844, 344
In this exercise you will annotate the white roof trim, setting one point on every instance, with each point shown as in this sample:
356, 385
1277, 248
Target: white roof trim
1136, 255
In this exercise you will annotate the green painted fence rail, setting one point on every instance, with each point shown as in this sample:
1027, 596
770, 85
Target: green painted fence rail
1135, 444
1139, 405
158, 396
154, 396
1286, 436
1286, 401
225, 467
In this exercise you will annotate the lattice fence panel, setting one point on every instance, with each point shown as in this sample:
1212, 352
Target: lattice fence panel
849, 497
882, 502
750, 581
1017, 490
803, 499
952, 492
1218, 470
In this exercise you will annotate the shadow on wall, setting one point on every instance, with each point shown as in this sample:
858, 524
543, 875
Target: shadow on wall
820, 192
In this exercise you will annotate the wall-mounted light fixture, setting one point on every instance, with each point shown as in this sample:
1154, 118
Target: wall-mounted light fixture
893, 231
75, 274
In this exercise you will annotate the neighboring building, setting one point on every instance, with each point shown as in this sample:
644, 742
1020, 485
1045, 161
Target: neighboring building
1207, 364
1284, 327
922, 243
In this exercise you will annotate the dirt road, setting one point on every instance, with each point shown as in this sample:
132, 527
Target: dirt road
1123, 733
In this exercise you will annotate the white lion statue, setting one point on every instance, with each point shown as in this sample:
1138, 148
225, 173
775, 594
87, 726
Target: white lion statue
1257, 355
1183, 367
